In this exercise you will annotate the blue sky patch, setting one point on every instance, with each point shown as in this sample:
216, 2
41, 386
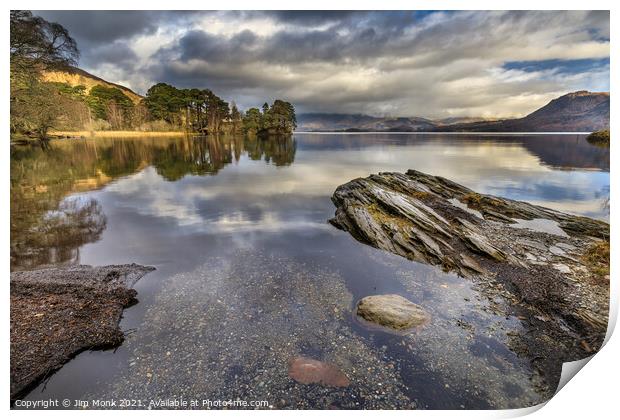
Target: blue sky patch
561, 66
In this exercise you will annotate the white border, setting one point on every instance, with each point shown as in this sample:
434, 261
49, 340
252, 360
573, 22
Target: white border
592, 395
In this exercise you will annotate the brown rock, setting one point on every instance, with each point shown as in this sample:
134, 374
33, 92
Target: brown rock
310, 371
58, 312
392, 311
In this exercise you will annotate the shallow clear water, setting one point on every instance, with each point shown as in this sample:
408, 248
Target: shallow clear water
249, 272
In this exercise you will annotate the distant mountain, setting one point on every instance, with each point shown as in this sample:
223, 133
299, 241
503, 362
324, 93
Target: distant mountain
74, 76
462, 120
331, 122
360, 122
577, 111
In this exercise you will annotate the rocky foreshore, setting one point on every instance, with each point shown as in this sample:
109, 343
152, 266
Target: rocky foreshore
58, 312
552, 266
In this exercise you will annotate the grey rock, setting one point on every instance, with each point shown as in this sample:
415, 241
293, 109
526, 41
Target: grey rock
565, 247
557, 251
562, 268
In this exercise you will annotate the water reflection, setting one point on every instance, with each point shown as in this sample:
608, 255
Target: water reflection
558, 151
55, 239
563, 172
42, 176
244, 216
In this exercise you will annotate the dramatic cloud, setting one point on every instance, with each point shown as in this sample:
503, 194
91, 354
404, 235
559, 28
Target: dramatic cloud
92, 26
432, 64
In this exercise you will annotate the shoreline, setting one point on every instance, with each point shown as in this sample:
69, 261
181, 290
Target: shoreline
85, 134
115, 133
490, 133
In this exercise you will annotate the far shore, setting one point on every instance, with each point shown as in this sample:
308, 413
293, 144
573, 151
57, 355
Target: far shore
57, 134
116, 133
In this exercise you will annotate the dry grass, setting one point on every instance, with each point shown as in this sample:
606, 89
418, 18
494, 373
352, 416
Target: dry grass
75, 78
421, 195
384, 217
596, 258
116, 133
472, 198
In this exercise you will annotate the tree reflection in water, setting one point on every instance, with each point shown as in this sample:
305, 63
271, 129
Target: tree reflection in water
48, 227
59, 234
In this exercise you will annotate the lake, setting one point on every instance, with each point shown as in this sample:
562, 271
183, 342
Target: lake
250, 274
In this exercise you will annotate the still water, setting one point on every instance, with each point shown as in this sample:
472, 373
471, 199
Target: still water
250, 274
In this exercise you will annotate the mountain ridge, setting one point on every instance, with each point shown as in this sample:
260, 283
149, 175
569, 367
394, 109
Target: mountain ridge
575, 111
580, 111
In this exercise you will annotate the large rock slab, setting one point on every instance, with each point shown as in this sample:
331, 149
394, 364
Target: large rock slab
58, 312
392, 311
553, 263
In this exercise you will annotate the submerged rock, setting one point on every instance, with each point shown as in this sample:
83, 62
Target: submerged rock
392, 311
436, 221
310, 371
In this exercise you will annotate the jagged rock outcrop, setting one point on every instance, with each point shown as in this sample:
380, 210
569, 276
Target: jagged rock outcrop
547, 260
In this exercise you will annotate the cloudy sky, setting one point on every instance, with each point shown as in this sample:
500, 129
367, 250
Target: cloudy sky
431, 64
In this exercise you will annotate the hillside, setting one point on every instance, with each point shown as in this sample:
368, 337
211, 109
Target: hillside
577, 111
74, 76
